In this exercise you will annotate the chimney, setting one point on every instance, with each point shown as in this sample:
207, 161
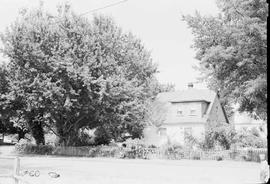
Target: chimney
190, 85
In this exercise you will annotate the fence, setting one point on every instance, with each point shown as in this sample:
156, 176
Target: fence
247, 155
15, 175
107, 151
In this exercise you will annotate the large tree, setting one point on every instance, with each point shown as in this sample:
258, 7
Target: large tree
232, 51
69, 73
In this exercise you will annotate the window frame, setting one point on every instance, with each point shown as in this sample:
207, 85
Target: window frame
192, 114
179, 114
162, 131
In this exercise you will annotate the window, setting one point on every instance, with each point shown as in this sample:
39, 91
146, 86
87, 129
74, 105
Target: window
179, 112
192, 112
162, 131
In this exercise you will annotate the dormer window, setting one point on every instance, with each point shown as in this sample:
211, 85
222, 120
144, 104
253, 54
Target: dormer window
192, 112
179, 112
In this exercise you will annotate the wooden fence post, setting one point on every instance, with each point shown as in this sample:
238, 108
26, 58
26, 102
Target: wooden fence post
16, 169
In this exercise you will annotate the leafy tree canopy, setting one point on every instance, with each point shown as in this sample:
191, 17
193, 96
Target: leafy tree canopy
67, 73
232, 51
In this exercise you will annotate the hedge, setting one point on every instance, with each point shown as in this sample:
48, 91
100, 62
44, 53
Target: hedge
142, 152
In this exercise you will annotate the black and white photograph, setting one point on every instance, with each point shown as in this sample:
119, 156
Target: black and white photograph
133, 92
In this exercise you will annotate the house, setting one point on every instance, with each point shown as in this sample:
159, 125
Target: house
187, 112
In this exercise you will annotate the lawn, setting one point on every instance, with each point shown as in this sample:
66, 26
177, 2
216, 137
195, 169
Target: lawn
119, 171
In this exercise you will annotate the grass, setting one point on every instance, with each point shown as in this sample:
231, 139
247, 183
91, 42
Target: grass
138, 171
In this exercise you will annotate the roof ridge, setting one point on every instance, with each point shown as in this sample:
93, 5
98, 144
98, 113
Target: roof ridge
187, 95
184, 90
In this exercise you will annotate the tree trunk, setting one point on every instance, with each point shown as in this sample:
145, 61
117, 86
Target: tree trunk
21, 133
37, 132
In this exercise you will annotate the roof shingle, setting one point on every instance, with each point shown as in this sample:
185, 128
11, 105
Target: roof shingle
187, 95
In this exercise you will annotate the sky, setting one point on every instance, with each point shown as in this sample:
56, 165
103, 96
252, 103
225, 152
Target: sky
156, 22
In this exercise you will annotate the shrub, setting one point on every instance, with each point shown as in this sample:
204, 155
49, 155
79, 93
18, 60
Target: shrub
196, 157
104, 151
86, 137
134, 143
250, 155
51, 139
152, 146
191, 141
136, 148
219, 134
173, 152
234, 154
253, 155
136, 152
28, 148
219, 158
250, 138
102, 137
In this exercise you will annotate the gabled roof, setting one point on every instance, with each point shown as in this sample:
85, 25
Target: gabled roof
191, 95
187, 95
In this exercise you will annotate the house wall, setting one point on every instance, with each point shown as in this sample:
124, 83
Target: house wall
174, 117
175, 133
216, 114
151, 135
204, 106
175, 124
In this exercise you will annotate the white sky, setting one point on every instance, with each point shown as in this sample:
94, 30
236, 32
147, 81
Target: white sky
156, 22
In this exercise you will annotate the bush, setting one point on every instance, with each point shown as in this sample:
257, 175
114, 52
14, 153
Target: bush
234, 154
219, 134
219, 158
104, 151
28, 148
191, 141
250, 138
174, 152
193, 155
250, 155
135, 152
253, 156
152, 146
135, 143
102, 137
71, 151
196, 157
136, 148
51, 139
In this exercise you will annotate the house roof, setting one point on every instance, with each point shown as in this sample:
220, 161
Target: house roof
191, 95
187, 95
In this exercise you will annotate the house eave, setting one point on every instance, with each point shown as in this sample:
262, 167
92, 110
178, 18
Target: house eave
184, 123
184, 101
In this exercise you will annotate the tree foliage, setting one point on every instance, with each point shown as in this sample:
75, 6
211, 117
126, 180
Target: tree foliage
251, 138
67, 73
219, 134
232, 51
